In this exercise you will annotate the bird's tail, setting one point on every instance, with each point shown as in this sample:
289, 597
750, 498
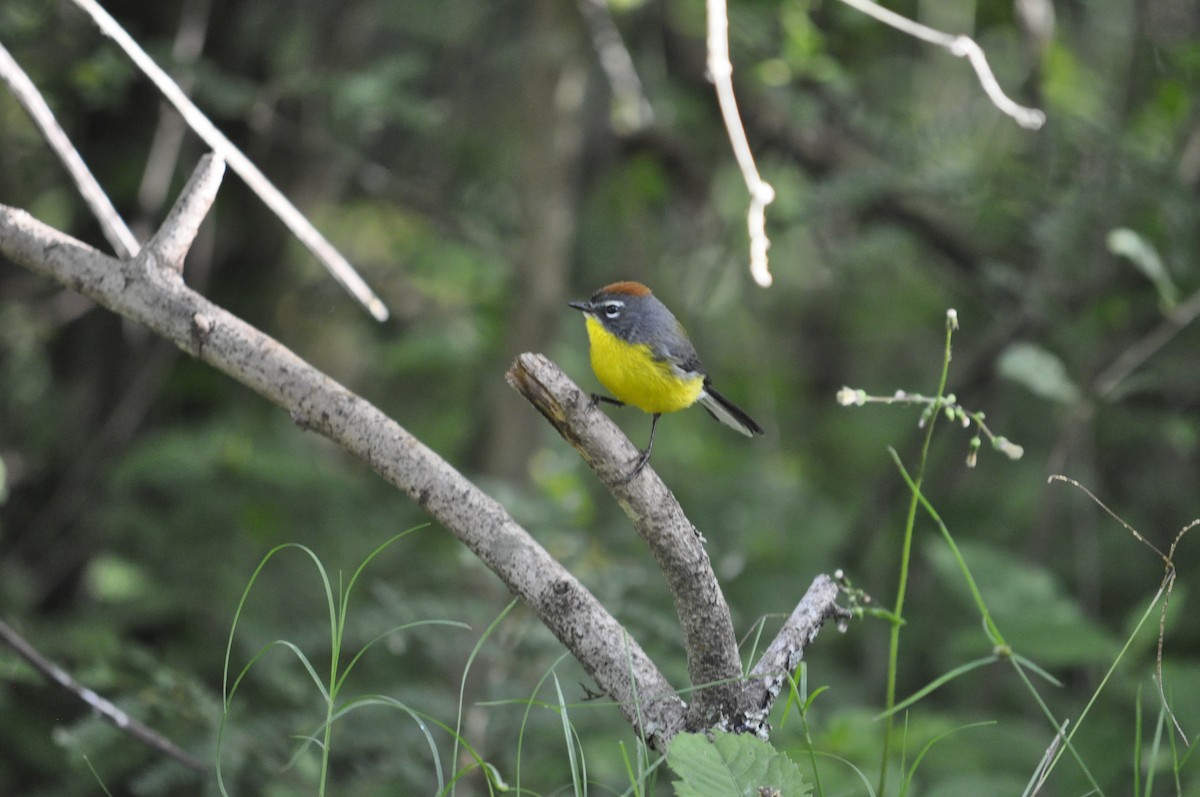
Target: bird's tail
728, 413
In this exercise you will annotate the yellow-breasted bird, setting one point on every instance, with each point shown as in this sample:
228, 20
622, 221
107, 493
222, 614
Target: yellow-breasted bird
642, 355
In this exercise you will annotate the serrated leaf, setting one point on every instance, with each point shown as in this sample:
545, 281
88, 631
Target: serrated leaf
732, 765
1039, 370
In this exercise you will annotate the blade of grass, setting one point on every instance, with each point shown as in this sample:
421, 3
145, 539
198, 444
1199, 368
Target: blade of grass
578, 781
417, 717
939, 682
246, 594
633, 779
96, 775
757, 631
929, 746
866, 782
414, 624
529, 704
1099, 688
338, 608
799, 690
1176, 763
462, 686
993, 632
1037, 670
1066, 738
227, 695
1152, 766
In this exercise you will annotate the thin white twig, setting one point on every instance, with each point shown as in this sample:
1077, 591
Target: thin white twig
324, 251
123, 241
720, 71
960, 47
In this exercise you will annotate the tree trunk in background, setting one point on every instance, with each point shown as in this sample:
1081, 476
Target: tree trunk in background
552, 98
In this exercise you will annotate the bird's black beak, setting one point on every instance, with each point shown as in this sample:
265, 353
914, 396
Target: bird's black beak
583, 307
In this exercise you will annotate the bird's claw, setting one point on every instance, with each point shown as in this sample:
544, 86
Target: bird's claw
638, 467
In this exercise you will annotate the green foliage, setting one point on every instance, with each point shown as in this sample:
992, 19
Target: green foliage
139, 488
1039, 370
724, 764
1059, 629
331, 686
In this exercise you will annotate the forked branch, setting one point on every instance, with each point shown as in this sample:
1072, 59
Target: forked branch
148, 290
722, 698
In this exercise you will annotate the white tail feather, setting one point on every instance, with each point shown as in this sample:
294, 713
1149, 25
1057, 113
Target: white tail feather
725, 412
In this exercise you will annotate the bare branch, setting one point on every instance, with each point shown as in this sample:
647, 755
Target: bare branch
119, 236
960, 47
720, 71
301, 227
783, 655
143, 291
170, 244
158, 298
713, 663
105, 708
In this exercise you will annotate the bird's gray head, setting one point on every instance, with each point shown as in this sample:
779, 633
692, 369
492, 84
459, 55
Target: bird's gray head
631, 312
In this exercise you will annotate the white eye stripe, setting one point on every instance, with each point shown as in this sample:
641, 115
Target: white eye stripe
612, 307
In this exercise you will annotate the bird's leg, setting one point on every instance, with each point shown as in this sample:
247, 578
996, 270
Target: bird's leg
597, 398
644, 456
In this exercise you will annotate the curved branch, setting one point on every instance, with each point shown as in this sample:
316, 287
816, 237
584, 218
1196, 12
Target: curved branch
722, 698
713, 664
959, 47
158, 298
149, 289
720, 71
783, 655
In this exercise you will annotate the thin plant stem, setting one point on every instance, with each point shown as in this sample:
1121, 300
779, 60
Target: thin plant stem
1137, 744
906, 555
1043, 774
989, 624
1103, 681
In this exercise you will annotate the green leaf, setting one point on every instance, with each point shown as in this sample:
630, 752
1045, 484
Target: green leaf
938, 683
1144, 257
1058, 633
1039, 370
732, 764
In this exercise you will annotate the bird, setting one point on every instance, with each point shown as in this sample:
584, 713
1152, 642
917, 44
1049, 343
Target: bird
642, 355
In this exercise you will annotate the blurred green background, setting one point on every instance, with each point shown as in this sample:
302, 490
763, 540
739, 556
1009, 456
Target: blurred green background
472, 159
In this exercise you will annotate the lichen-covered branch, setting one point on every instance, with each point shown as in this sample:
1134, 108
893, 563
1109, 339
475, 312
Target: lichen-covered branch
149, 291
722, 698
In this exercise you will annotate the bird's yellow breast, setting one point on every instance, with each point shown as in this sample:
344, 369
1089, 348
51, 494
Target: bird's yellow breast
630, 372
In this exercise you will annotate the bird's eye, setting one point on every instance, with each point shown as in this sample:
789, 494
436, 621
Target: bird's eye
612, 309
